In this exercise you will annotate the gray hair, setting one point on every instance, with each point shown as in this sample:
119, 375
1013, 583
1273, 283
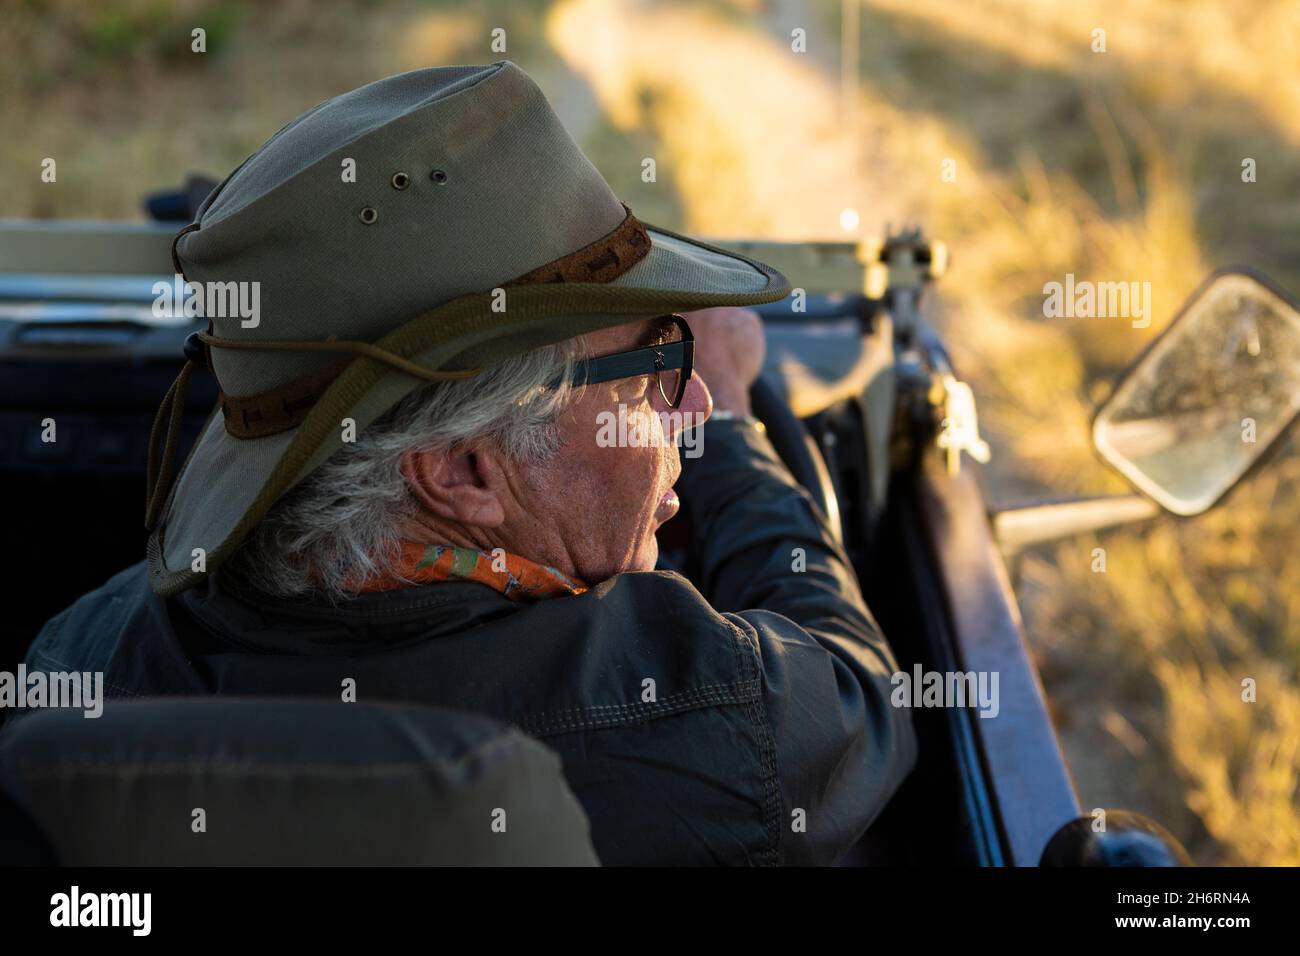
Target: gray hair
342, 523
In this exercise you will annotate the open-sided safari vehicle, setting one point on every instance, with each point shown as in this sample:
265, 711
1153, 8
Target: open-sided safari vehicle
862, 403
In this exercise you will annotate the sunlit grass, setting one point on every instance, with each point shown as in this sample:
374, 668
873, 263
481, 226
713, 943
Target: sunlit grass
1144, 661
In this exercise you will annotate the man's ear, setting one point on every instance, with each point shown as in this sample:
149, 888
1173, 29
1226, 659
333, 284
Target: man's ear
460, 485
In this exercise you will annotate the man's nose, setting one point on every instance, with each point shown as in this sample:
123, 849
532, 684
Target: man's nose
697, 401
694, 410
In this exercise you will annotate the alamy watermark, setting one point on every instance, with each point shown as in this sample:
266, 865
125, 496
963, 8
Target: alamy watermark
921, 688
82, 690
209, 300
75, 908
1099, 300
639, 429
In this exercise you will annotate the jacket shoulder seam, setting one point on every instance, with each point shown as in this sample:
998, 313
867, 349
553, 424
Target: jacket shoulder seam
747, 659
43, 658
598, 716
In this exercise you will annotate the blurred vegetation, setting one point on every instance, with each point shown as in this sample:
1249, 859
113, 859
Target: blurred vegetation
95, 42
1115, 166
1123, 165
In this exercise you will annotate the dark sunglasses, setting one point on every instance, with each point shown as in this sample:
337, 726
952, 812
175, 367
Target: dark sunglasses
670, 364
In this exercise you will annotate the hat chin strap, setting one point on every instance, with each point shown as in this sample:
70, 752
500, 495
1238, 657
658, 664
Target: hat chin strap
267, 413
159, 472
331, 344
285, 407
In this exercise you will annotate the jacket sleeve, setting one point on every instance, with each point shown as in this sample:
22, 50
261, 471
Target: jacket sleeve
768, 561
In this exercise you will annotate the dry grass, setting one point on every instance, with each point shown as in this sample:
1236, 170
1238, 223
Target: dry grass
1122, 168
1130, 171
113, 93
1116, 166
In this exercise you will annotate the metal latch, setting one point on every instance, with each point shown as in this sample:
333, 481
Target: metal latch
959, 429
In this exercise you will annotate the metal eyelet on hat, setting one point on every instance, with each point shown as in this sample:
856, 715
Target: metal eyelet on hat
368, 215
401, 180
439, 176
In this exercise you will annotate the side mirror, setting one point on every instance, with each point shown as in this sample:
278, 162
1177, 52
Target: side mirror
1210, 395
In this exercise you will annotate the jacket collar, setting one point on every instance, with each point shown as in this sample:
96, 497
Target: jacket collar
230, 610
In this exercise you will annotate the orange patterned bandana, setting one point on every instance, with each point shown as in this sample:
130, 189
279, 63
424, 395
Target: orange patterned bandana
517, 578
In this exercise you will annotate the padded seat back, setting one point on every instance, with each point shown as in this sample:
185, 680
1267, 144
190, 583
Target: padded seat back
212, 781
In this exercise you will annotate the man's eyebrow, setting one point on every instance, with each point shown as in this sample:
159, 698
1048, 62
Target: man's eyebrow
658, 332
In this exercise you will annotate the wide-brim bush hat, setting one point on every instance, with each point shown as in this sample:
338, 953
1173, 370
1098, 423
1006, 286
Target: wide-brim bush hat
419, 228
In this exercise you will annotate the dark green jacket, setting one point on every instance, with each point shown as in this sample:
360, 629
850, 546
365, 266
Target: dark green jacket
766, 737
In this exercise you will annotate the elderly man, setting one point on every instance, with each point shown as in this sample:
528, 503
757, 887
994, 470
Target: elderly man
408, 494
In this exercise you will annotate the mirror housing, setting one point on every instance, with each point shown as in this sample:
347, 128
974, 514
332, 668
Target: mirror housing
1127, 840
1205, 401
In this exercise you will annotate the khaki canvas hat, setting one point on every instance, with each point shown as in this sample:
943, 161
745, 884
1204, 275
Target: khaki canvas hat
419, 228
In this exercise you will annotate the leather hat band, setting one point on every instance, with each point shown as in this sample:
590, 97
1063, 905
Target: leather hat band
280, 409
601, 261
